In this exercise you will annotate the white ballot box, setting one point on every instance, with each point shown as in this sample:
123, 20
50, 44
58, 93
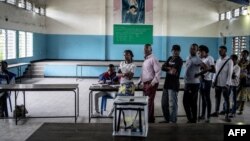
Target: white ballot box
130, 116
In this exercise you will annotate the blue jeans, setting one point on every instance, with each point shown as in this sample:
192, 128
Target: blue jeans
205, 95
169, 104
233, 90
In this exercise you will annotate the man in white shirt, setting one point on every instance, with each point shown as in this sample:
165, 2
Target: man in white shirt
150, 78
235, 83
222, 81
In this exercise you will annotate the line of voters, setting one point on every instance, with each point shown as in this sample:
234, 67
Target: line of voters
228, 76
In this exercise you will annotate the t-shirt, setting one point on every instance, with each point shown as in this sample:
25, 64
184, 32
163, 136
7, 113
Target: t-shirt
225, 76
192, 68
126, 68
209, 61
236, 73
172, 80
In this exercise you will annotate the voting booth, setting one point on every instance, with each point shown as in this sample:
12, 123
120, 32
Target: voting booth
130, 116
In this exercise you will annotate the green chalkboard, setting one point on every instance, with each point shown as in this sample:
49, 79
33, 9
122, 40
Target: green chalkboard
133, 34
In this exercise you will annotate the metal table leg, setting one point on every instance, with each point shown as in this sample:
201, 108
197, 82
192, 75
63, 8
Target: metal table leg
15, 107
90, 105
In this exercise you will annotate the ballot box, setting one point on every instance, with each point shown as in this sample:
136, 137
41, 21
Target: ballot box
130, 116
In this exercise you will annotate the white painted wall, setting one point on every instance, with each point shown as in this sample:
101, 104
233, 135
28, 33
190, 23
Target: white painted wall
239, 26
95, 17
20, 19
195, 18
84, 17
192, 18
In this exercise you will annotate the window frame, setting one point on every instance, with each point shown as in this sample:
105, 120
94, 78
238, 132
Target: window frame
26, 54
7, 47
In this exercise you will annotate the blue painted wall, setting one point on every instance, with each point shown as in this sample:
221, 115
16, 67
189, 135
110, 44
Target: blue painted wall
90, 47
102, 48
87, 47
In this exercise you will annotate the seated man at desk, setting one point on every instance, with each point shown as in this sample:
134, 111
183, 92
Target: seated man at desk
6, 77
109, 78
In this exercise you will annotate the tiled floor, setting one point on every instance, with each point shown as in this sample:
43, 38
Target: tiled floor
62, 103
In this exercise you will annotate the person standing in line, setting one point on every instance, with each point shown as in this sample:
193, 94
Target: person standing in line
244, 90
206, 81
150, 78
235, 84
222, 81
192, 83
169, 101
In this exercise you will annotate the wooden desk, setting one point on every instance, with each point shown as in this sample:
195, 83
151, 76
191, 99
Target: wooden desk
44, 87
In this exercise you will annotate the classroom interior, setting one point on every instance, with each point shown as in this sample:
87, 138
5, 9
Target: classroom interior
72, 42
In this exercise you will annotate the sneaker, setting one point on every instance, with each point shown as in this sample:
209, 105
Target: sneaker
222, 113
96, 114
231, 115
201, 117
164, 121
227, 119
240, 113
215, 114
207, 121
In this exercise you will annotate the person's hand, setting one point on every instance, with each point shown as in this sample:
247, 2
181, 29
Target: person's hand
213, 85
227, 87
149, 86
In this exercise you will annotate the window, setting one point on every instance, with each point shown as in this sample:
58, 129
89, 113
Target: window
22, 43
28, 6
37, 10
222, 16
21, 4
11, 2
29, 45
2, 44
25, 44
228, 15
239, 44
236, 12
7, 44
244, 10
11, 44
42, 11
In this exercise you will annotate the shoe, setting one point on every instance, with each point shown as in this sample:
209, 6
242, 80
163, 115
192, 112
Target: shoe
164, 121
207, 121
231, 115
222, 113
215, 114
151, 121
96, 114
201, 117
227, 119
240, 113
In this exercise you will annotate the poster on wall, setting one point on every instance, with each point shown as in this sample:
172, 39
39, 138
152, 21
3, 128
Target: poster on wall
133, 11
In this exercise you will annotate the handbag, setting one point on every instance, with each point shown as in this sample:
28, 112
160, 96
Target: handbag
216, 78
20, 111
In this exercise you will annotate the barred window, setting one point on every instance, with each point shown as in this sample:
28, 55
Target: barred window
25, 44
239, 44
7, 44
